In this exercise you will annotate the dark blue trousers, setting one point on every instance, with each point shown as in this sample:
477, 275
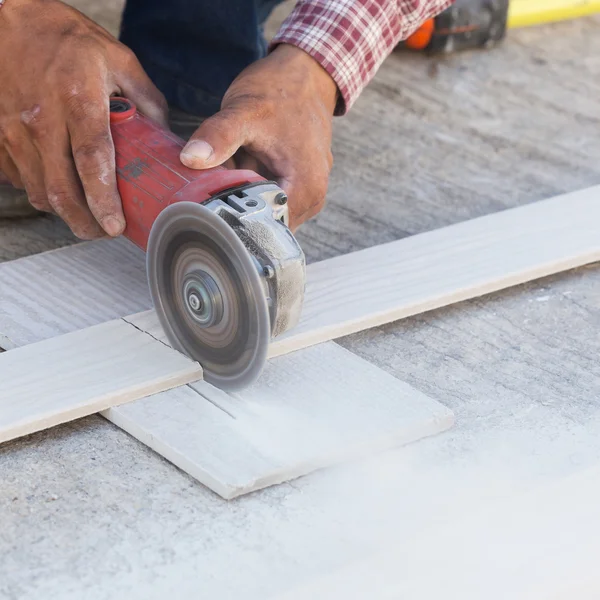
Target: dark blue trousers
193, 49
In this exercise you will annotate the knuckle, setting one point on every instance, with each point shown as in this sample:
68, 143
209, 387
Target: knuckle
161, 102
69, 28
39, 202
10, 132
31, 116
65, 202
81, 105
257, 106
128, 58
87, 231
94, 157
60, 199
31, 119
71, 92
264, 109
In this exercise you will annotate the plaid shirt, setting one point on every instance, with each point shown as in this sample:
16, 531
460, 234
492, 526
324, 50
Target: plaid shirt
351, 38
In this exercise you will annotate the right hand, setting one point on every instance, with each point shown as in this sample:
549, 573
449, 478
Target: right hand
58, 70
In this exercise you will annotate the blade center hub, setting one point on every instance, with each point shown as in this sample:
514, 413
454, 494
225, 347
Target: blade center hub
203, 299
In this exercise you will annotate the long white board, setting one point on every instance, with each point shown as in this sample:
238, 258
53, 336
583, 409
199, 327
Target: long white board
392, 281
76, 287
81, 373
68, 289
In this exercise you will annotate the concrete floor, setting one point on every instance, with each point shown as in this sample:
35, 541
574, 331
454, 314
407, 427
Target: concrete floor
88, 512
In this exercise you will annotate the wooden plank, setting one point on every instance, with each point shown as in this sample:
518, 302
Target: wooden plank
81, 373
106, 279
542, 544
310, 409
385, 283
392, 281
65, 290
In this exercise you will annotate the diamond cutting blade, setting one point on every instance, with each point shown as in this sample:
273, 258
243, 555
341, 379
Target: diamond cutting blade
208, 294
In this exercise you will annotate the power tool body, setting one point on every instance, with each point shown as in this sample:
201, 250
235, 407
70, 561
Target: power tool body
225, 273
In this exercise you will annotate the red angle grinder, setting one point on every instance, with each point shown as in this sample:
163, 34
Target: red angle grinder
226, 274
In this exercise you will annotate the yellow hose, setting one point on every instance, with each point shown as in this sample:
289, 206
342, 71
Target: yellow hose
522, 13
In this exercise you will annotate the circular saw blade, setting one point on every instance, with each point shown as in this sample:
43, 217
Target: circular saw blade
208, 294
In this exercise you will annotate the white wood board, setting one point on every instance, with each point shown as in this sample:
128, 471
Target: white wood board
542, 544
72, 288
81, 373
392, 281
309, 410
76, 287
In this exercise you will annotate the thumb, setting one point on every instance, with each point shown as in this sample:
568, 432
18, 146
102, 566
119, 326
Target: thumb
216, 140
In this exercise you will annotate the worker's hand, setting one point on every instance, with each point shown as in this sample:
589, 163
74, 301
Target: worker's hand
279, 111
57, 71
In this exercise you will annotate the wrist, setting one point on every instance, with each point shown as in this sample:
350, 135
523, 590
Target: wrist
298, 61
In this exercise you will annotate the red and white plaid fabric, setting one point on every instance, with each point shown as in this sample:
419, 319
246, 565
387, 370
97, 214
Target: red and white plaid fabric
351, 38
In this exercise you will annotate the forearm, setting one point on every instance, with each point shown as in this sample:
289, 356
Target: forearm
351, 38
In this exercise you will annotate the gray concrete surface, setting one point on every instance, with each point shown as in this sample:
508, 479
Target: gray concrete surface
88, 512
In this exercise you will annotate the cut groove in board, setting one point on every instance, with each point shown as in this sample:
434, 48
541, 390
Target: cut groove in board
309, 410
81, 373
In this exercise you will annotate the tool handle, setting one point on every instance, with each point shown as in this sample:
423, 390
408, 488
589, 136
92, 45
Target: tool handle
150, 175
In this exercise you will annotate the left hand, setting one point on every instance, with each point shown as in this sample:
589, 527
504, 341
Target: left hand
276, 119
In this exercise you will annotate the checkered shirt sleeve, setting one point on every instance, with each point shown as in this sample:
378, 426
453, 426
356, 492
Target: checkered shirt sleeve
351, 38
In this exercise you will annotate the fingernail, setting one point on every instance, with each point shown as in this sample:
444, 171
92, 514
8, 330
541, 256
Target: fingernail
112, 226
196, 150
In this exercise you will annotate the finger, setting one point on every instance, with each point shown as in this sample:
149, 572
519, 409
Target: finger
217, 139
61, 181
306, 190
27, 157
67, 199
93, 151
9, 174
138, 87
